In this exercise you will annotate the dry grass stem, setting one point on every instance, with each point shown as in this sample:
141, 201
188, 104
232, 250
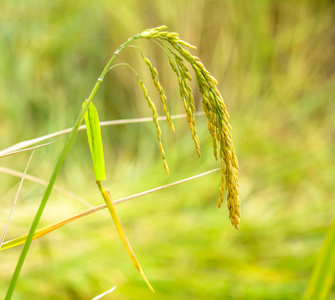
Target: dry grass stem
24, 150
15, 200
45, 183
43, 231
16, 148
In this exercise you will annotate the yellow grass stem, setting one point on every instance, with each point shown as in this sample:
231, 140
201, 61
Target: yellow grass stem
108, 200
15, 200
43, 231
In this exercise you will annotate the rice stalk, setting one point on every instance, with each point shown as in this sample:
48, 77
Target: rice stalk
215, 111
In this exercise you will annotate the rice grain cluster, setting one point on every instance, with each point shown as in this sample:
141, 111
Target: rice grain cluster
213, 106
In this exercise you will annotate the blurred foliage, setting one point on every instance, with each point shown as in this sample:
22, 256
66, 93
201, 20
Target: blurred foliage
275, 63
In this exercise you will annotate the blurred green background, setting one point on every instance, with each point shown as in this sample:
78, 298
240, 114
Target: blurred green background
274, 61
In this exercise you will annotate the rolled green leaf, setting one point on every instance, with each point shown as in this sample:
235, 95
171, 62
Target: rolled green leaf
94, 139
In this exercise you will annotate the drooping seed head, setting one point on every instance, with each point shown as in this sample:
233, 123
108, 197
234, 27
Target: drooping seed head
214, 108
162, 95
155, 120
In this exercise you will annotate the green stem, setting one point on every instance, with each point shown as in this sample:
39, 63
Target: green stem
57, 168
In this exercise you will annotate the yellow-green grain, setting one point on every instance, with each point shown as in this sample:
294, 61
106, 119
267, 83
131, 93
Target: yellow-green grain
215, 111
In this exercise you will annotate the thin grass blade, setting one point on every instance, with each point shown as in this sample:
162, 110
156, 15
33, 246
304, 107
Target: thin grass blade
15, 200
23, 144
45, 183
24, 150
323, 274
105, 293
41, 232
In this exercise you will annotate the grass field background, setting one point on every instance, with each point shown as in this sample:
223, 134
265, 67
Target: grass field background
274, 61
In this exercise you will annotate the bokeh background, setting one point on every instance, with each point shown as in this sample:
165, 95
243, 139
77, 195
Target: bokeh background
274, 61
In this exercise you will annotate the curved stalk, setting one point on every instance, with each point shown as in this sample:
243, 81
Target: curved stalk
57, 168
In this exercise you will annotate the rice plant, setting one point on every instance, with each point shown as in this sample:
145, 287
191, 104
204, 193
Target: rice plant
213, 106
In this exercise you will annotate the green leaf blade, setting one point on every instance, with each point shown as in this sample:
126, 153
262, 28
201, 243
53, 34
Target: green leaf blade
94, 139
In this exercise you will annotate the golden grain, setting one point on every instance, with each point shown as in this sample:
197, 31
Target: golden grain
213, 106
155, 120
162, 95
